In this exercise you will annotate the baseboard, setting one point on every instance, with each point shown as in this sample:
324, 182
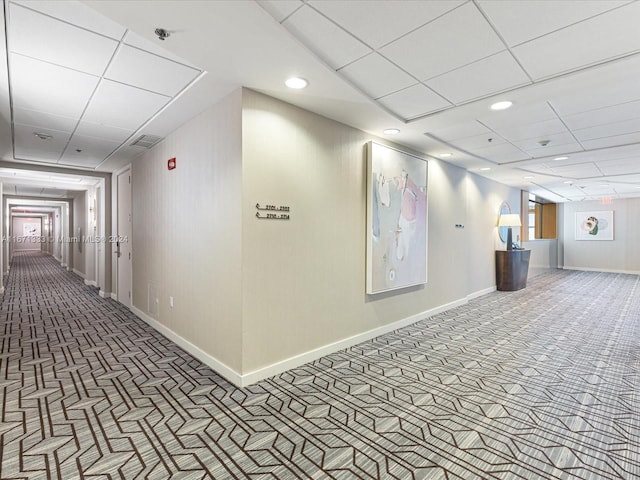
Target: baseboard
104, 294
480, 293
79, 273
306, 357
63, 265
292, 362
114, 295
91, 283
602, 270
227, 372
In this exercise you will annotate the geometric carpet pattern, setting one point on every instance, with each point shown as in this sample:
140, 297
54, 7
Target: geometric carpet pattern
542, 383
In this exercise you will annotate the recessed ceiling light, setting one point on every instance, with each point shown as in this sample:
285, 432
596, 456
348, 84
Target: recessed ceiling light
560, 158
445, 155
529, 177
501, 105
42, 136
569, 182
391, 131
484, 169
296, 82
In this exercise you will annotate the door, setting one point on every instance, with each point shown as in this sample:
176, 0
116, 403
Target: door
122, 239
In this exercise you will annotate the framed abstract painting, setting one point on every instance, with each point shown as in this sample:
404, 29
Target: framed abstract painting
594, 225
396, 219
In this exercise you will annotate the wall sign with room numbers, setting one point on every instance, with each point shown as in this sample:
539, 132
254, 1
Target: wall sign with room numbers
272, 212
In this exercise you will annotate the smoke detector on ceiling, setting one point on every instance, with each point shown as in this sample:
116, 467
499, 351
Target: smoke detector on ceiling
162, 33
544, 143
43, 136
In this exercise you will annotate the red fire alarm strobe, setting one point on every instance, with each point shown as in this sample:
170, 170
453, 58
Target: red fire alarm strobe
171, 163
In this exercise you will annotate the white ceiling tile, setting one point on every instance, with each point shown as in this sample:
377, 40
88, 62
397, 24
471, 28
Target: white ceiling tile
458, 131
517, 115
377, 22
474, 142
501, 153
326, 39
613, 141
413, 102
280, 9
377, 76
93, 151
488, 76
30, 147
532, 132
39, 36
580, 170
525, 20
554, 133
137, 41
602, 116
451, 41
105, 132
620, 167
78, 14
608, 130
576, 46
562, 147
45, 120
122, 106
48, 88
145, 70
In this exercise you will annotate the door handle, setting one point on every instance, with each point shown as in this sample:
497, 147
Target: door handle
117, 252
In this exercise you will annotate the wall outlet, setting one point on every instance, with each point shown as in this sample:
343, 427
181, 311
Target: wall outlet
171, 302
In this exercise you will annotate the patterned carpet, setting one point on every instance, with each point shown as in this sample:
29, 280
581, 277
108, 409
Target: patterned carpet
536, 384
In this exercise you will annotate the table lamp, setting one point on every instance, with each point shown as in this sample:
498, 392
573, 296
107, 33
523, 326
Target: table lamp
509, 220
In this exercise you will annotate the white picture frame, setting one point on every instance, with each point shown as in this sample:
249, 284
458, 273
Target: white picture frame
594, 225
396, 219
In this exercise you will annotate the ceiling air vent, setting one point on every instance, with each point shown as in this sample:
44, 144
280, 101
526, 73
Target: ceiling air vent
146, 141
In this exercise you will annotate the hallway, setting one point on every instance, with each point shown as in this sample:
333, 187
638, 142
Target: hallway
538, 384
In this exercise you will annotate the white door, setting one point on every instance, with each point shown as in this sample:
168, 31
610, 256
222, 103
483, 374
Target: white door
122, 239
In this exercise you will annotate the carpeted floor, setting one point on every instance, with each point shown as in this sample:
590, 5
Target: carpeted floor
537, 384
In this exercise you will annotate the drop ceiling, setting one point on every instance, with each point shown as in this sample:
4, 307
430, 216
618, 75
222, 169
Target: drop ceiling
94, 76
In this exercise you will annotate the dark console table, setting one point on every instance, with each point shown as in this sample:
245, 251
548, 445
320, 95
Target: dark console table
512, 267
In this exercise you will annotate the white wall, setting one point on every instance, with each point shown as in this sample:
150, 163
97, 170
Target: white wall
303, 279
187, 234
255, 297
19, 241
620, 255
544, 253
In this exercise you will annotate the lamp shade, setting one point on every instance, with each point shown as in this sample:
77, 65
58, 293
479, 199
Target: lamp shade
509, 220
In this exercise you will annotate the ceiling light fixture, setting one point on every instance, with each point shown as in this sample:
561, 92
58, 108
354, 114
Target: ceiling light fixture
43, 136
501, 105
529, 177
557, 159
484, 169
391, 131
445, 155
296, 83
569, 182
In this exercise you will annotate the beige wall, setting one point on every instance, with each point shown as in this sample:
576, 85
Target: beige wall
187, 233
258, 296
620, 255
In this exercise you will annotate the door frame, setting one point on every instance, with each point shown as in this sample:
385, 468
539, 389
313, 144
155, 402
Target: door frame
121, 297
